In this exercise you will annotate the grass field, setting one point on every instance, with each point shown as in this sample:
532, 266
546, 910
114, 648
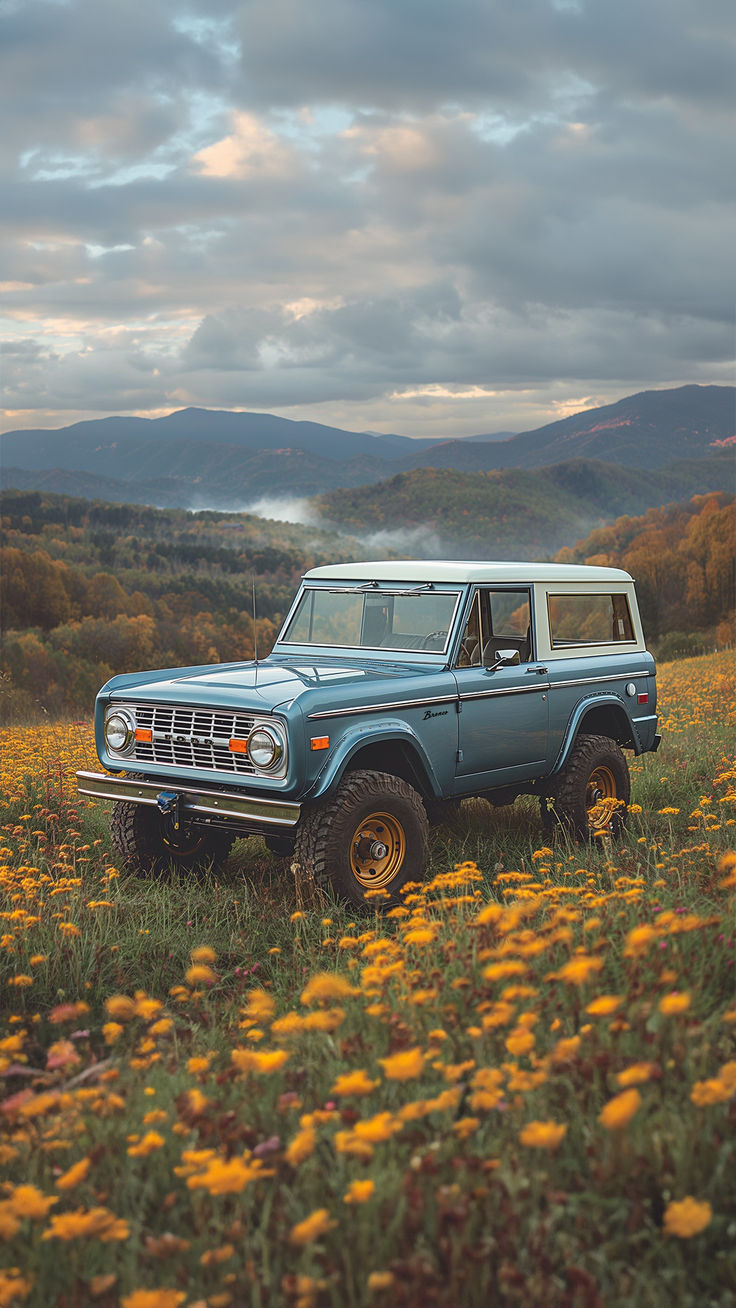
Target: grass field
518, 1088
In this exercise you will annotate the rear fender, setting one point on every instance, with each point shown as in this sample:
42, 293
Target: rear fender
602, 715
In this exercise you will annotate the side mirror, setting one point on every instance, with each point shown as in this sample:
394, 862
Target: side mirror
505, 658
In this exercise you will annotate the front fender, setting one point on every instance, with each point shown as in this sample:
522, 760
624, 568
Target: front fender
358, 738
614, 706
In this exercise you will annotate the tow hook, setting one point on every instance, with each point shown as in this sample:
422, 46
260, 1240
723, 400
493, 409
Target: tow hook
168, 802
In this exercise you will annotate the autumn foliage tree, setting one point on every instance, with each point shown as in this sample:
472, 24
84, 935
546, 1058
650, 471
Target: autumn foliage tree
682, 559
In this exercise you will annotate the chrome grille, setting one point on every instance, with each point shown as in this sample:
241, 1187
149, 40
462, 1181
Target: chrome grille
192, 738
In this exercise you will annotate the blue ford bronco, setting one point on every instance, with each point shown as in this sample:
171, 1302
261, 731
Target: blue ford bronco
392, 688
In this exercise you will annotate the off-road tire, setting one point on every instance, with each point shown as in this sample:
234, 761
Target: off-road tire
566, 805
329, 838
147, 844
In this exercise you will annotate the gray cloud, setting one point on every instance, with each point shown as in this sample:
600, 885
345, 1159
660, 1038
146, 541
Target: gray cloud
402, 215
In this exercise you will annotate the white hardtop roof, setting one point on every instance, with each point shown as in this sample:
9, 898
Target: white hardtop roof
459, 572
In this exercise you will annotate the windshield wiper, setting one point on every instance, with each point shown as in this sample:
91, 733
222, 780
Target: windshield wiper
352, 590
373, 585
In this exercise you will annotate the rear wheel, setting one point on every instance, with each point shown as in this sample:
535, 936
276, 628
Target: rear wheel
148, 842
591, 794
372, 835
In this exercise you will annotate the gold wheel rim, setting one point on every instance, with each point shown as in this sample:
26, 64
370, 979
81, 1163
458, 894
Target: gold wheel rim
601, 798
377, 850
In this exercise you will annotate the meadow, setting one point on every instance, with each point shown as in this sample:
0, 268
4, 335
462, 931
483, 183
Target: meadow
517, 1088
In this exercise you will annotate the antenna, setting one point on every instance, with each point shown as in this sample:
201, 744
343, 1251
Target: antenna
255, 623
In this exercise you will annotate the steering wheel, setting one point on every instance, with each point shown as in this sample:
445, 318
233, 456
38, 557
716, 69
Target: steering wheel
434, 635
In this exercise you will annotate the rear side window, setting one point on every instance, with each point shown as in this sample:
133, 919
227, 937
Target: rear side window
589, 619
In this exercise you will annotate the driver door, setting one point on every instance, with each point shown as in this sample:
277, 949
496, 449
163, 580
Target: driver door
504, 711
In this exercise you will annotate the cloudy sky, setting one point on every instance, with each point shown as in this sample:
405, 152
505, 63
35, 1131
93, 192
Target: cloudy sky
434, 217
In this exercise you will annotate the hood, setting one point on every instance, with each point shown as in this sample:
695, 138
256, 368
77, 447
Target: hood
263, 686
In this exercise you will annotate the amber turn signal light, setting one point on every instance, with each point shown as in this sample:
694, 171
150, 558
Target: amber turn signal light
237, 746
143, 733
320, 742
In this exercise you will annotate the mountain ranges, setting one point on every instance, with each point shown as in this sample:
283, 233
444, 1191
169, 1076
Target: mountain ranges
482, 495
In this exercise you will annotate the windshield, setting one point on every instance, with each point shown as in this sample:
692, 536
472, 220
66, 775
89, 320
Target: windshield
373, 620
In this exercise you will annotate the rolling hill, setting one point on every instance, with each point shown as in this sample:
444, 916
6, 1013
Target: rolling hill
201, 457
516, 512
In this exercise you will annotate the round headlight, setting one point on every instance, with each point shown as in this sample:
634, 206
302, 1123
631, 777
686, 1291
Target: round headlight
264, 748
119, 728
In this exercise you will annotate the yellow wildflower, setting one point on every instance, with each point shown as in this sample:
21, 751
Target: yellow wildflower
230, 1177
260, 1005
27, 1201
687, 1217
9, 1222
423, 935
403, 1066
466, 1126
378, 1128
203, 954
13, 1286
251, 1060
604, 1005
543, 1135
380, 1280
200, 974
99, 1223
638, 940
501, 971
301, 1146
354, 1083
618, 1112
717, 1090
199, 1064
359, 1192
489, 915
637, 1074
153, 1299
150, 1142
120, 1007
520, 1041
76, 1173
673, 1004
212, 1257
579, 969
317, 1224
327, 985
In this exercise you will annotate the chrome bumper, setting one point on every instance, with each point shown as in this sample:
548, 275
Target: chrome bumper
208, 803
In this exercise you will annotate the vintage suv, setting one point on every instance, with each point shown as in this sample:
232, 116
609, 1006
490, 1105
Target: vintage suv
392, 687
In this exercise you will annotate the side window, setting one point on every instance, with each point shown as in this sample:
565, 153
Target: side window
589, 620
499, 619
510, 624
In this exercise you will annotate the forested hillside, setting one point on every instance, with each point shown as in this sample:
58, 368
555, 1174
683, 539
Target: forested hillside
90, 589
516, 513
682, 558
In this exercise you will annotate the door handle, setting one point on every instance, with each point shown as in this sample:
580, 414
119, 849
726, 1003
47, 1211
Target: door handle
542, 672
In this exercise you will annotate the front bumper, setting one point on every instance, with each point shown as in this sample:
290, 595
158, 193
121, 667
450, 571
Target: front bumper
194, 801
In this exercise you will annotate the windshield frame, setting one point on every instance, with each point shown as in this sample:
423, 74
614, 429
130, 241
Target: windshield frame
373, 589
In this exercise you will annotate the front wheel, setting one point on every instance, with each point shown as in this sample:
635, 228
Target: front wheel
591, 794
148, 842
372, 835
